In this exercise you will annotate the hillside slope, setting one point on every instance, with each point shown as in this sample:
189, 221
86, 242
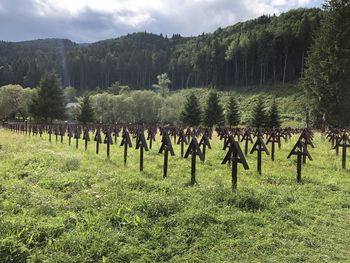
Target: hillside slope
264, 50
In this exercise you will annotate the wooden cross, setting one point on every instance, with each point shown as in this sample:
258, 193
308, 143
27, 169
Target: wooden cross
50, 133
182, 140
77, 134
299, 150
174, 132
194, 150
98, 139
126, 142
204, 141
108, 140
273, 138
166, 147
306, 137
70, 134
56, 132
61, 132
235, 156
142, 145
259, 147
115, 133
189, 133
247, 137
151, 135
86, 137
343, 142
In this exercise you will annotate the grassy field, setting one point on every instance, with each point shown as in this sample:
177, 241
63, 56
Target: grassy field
59, 204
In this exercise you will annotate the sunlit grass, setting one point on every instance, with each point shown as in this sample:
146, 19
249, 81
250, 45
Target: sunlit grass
61, 204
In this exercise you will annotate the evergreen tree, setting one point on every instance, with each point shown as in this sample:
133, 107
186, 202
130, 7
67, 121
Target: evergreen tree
191, 115
274, 118
86, 115
214, 113
327, 75
49, 104
232, 113
259, 116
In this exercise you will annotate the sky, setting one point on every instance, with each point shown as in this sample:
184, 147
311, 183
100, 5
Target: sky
86, 21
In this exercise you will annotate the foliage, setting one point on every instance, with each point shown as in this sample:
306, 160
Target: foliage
274, 118
69, 94
163, 83
327, 77
113, 108
49, 104
117, 89
15, 99
110, 108
146, 106
259, 118
214, 113
86, 114
232, 112
169, 112
263, 50
192, 113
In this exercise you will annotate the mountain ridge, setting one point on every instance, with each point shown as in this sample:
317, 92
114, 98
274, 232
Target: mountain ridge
228, 56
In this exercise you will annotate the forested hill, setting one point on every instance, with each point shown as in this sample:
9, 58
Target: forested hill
266, 49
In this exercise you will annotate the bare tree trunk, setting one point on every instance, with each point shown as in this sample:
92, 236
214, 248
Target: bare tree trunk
188, 80
246, 69
236, 70
302, 62
285, 67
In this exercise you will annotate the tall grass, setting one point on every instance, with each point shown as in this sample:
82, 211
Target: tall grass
59, 204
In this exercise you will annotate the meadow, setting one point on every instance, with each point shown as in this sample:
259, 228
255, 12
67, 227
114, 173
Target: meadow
61, 204
290, 99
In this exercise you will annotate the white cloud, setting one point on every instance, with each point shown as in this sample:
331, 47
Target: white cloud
91, 20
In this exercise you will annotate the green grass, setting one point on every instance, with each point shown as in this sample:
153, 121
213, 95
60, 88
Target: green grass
59, 204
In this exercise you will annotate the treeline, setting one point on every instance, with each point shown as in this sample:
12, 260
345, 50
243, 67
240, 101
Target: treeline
263, 50
48, 103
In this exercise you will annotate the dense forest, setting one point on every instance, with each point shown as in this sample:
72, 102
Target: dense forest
268, 49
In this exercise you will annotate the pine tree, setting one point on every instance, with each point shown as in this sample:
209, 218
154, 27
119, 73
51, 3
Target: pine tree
191, 115
259, 116
327, 75
274, 118
49, 104
214, 113
232, 113
86, 115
